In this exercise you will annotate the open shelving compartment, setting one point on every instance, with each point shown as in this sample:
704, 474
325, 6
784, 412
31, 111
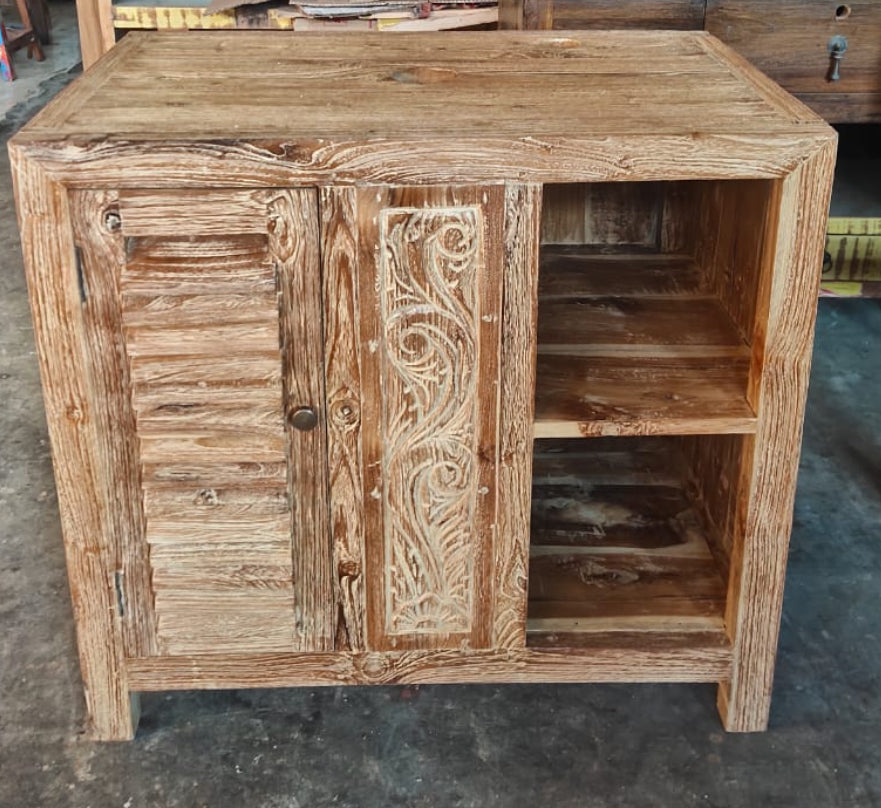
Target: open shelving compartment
649, 348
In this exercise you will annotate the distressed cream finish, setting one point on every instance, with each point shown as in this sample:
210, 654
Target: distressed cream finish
205, 262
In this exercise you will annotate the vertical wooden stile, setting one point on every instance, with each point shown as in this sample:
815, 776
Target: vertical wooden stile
294, 246
342, 358
102, 256
519, 313
758, 563
61, 334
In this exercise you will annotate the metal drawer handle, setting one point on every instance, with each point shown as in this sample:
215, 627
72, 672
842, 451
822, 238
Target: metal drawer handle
837, 47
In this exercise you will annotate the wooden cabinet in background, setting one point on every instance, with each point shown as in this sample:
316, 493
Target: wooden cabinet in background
468, 376
791, 41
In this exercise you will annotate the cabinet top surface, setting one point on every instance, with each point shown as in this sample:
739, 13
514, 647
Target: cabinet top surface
470, 91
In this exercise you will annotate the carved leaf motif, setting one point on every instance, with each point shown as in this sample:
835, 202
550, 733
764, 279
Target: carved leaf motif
429, 263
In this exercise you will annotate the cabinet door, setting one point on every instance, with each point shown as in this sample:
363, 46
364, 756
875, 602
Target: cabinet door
202, 311
413, 297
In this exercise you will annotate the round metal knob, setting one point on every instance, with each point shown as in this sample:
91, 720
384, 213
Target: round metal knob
303, 418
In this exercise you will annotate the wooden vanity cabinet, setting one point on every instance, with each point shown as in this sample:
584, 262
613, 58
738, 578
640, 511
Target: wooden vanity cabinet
468, 371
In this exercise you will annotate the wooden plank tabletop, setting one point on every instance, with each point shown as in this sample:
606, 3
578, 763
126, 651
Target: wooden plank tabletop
463, 85
268, 109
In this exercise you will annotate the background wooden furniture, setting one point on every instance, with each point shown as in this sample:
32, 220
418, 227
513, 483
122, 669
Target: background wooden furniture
406, 389
789, 41
24, 36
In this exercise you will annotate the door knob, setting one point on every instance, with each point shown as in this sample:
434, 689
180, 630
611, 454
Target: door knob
303, 418
837, 46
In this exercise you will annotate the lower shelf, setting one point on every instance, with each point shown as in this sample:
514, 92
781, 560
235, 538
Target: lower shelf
617, 554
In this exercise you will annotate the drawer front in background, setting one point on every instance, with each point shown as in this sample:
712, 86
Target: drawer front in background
668, 15
789, 40
199, 357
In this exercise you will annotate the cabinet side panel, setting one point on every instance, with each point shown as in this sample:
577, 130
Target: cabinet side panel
294, 246
431, 269
342, 356
788, 305
737, 217
102, 258
59, 330
520, 309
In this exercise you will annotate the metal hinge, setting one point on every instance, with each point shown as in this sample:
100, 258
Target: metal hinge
80, 273
120, 594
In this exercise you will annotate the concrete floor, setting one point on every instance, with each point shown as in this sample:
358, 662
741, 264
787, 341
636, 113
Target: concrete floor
61, 55
512, 746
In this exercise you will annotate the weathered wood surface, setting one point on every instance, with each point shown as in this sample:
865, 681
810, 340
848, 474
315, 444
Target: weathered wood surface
430, 274
710, 121
383, 545
632, 345
101, 256
95, 20
616, 544
621, 14
60, 330
791, 45
201, 330
294, 243
342, 369
787, 303
519, 313
700, 659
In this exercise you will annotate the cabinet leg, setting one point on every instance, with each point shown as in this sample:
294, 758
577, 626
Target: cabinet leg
742, 712
114, 719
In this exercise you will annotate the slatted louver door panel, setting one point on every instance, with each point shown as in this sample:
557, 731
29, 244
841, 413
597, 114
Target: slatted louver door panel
213, 371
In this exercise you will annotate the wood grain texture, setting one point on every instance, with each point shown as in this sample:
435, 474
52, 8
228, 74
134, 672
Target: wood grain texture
342, 357
60, 332
605, 660
262, 164
845, 107
768, 487
613, 552
95, 20
631, 345
201, 316
520, 306
102, 256
430, 292
736, 220
710, 121
389, 544
617, 14
715, 469
147, 213
294, 244
790, 45
538, 15
607, 214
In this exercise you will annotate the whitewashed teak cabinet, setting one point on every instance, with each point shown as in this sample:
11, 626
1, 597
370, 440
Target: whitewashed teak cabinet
474, 358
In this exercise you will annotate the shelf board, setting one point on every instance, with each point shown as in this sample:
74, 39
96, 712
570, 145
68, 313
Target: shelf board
617, 553
631, 345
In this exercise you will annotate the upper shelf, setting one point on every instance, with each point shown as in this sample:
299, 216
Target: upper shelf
631, 345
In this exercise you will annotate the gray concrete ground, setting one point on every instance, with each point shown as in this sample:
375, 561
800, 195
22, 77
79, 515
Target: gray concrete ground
561, 746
